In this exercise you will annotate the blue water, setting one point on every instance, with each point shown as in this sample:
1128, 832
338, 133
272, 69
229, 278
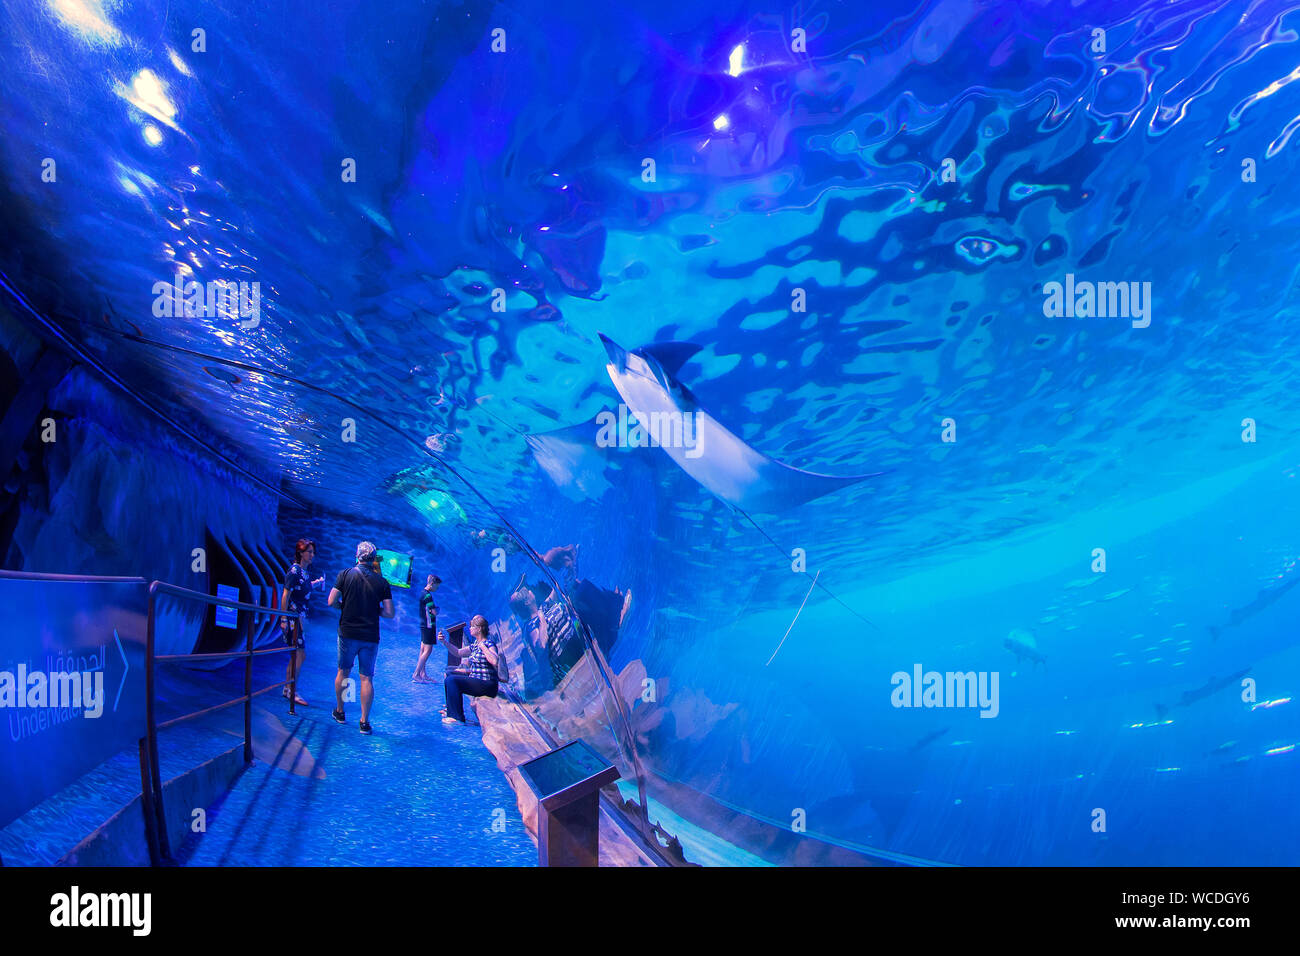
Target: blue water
1168, 158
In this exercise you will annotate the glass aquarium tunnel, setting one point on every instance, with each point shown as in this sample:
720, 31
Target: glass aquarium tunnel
872, 428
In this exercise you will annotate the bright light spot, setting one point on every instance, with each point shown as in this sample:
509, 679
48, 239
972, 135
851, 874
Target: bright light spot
1280, 750
148, 94
721, 122
1266, 704
152, 95
734, 63
86, 18
152, 135
178, 62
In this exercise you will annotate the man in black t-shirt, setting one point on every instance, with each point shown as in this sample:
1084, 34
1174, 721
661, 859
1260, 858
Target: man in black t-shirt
428, 628
364, 597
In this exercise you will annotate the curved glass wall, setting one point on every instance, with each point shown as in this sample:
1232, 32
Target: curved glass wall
963, 330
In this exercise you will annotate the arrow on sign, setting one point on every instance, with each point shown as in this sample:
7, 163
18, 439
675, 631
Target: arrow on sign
126, 664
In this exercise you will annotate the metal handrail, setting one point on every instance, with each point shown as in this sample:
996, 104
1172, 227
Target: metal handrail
82, 578
151, 792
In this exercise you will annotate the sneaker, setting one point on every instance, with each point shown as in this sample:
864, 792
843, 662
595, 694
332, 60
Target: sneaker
338, 715
365, 727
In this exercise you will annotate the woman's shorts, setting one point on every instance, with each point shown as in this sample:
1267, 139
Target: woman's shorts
293, 634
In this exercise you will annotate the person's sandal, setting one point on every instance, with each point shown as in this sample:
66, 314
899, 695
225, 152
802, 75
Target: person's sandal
451, 720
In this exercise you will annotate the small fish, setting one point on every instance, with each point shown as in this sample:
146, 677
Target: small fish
927, 740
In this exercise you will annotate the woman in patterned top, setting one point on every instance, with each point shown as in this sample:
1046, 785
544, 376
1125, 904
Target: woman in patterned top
297, 589
478, 677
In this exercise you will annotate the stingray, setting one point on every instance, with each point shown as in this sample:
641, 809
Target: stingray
711, 454
571, 459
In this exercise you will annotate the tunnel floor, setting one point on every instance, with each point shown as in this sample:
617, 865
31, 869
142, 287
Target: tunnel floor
415, 793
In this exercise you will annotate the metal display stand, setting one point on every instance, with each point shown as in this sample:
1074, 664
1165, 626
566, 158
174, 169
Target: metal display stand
567, 784
456, 638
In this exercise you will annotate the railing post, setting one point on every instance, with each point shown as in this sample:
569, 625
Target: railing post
146, 805
248, 688
155, 773
293, 664
151, 789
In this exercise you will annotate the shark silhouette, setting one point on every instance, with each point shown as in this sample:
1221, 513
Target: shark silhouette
1264, 599
720, 461
1211, 686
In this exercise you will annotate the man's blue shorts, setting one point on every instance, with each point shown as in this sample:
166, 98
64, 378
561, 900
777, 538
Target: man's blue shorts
363, 652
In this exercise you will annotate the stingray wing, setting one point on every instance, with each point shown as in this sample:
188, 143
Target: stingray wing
720, 460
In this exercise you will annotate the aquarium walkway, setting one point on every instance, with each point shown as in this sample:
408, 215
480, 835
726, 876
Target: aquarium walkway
415, 793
